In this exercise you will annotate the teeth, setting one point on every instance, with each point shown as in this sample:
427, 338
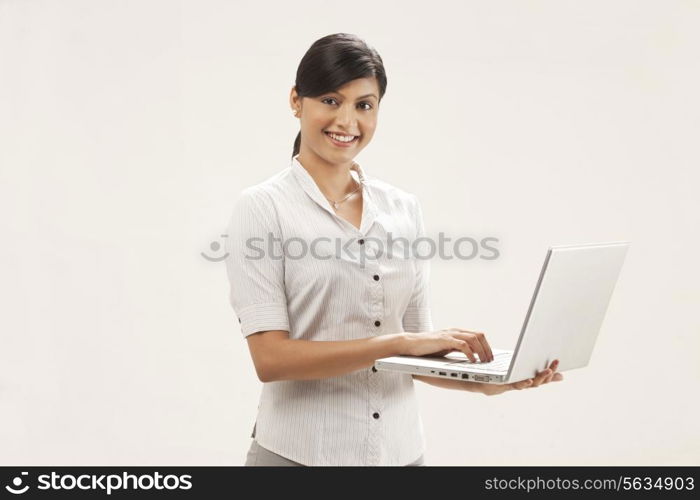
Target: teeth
342, 138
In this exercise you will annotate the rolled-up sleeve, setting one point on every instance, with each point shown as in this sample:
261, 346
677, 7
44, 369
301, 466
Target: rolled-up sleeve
417, 317
255, 264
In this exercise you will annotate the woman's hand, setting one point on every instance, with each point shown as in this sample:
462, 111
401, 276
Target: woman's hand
544, 377
452, 339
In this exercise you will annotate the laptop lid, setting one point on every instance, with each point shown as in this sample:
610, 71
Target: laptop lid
567, 308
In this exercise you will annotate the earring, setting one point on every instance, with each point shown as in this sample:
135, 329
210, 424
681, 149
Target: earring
296, 111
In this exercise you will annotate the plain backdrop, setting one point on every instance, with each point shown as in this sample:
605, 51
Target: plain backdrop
128, 128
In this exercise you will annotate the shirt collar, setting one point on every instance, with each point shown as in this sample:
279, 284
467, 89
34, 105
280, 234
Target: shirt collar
369, 208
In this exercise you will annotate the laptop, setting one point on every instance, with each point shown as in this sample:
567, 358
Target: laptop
562, 322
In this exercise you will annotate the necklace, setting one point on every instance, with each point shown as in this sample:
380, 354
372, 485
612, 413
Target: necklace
336, 203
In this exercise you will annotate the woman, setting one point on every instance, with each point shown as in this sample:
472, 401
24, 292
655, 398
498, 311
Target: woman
319, 296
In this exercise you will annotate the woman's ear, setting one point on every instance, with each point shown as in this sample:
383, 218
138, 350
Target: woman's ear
294, 98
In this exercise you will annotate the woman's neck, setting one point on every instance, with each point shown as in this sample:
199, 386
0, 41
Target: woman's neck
334, 180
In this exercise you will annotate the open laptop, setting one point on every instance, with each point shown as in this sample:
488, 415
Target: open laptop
562, 322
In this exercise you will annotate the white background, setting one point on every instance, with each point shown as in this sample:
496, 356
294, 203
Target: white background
128, 128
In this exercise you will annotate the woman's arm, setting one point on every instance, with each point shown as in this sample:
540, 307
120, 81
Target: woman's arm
277, 357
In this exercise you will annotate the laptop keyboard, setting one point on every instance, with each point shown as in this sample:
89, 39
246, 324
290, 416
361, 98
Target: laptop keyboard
501, 362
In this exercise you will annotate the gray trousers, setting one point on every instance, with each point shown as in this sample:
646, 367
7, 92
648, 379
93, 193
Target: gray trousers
260, 457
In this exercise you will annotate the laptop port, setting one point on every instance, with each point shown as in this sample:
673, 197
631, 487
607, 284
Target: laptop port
453, 374
481, 378
442, 373
465, 376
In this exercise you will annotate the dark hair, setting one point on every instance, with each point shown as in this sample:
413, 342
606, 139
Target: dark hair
333, 61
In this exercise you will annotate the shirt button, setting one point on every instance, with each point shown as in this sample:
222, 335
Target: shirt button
374, 369
377, 323
376, 277
375, 415
361, 242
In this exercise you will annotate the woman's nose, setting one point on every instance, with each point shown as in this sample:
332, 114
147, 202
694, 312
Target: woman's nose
347, 116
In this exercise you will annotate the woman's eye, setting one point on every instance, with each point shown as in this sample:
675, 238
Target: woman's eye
333, 99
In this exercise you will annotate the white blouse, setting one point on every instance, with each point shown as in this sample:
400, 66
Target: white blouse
349, 287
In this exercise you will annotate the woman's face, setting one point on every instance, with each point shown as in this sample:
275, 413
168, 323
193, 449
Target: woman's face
349, 111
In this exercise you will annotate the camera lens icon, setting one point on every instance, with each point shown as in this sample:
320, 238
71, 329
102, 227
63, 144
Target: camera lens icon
17, 482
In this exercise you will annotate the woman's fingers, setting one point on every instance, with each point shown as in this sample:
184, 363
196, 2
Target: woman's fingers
553, 367
459, 343
466, 349
548, 374
523, 384
540, 378
478, 348
545, 376
485, 346
477, 342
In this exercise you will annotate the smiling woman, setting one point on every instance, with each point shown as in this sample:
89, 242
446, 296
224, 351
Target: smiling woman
316, 326
339, 84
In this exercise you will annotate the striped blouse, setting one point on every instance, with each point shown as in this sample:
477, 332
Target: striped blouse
294, 265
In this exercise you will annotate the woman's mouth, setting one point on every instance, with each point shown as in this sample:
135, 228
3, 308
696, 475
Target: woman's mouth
342, 141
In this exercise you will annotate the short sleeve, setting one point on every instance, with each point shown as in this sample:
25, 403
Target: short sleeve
255, 264
417, 317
